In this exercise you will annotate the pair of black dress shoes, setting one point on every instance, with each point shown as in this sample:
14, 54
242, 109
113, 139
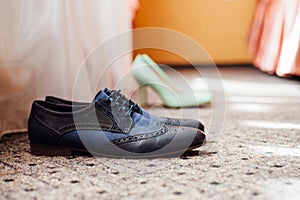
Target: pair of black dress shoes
111, 125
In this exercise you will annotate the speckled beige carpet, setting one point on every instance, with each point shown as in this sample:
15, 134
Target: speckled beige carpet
255, 156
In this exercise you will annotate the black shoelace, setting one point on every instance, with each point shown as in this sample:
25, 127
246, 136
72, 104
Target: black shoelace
120, 102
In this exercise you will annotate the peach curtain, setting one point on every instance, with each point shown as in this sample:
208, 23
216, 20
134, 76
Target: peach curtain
274, 40
44, 43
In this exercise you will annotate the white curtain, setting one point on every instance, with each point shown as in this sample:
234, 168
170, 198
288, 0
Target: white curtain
44, 44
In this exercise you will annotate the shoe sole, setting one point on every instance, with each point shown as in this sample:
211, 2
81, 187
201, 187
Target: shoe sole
47, 150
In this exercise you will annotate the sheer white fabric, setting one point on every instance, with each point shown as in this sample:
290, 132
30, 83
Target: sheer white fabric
43, 44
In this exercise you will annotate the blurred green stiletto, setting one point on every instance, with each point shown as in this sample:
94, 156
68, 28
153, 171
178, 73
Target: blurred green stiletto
148, 73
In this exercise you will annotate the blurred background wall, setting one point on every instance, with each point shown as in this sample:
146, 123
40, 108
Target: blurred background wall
220, 26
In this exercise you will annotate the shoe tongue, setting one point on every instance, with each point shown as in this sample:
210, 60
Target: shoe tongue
136, 108
136, 115
100, 96
107, 91
139, 119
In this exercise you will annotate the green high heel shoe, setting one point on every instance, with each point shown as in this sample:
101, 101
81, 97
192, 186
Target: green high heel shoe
148, 73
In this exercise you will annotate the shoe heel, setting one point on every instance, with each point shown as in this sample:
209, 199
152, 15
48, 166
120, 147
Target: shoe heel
46, 150
143, 95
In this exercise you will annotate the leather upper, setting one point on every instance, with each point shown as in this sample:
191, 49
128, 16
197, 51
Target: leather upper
57, 120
